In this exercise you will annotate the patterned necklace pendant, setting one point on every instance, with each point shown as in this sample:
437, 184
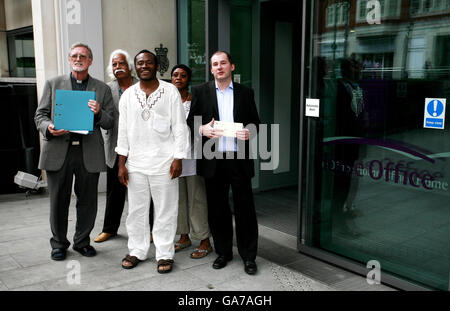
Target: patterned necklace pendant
145, 114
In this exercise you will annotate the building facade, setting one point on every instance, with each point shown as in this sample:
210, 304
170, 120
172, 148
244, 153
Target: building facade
35, 38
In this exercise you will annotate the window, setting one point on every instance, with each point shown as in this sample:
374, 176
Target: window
392, 8
415, 6
362, 9
419, 7
21, 53
427, 5
343, 14
330, 15
337, 14
382, 8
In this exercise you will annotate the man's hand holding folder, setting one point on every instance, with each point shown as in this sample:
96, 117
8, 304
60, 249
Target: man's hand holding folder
51, 129
74, 112
95, 107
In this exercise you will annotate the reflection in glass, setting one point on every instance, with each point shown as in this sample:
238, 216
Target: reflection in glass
384, 178
21, 53
191, 37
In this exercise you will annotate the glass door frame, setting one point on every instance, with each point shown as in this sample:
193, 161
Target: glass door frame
305, 192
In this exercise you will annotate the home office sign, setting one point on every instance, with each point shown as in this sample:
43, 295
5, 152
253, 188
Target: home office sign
434, 114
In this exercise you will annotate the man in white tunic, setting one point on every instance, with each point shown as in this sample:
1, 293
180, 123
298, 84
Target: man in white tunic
153, 138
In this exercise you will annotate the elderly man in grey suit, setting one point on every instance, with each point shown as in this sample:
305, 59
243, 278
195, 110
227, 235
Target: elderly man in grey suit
121, 71
66, 154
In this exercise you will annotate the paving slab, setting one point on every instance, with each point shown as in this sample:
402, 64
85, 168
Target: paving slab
3, 287
8, 263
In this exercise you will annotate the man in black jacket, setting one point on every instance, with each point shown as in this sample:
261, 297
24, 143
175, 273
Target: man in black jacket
223, 100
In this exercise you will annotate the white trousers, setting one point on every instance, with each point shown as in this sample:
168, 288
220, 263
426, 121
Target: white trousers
164, 191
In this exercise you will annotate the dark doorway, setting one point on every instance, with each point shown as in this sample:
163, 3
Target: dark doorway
19, 150
280, 50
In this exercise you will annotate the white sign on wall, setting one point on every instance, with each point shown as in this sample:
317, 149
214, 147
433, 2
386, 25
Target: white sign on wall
312, 107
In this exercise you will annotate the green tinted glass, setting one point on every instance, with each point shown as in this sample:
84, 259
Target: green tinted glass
383, 187
191, 37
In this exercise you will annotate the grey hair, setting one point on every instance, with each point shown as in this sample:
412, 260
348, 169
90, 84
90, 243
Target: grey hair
109, 69
79, 44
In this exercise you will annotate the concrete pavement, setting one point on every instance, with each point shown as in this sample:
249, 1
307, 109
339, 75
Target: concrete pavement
25, 262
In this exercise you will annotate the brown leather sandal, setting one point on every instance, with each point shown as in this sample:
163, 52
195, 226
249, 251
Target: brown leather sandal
131, 259
165, 263
200, 253
179, 246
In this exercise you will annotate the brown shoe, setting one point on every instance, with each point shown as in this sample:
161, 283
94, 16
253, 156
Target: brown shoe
102, 237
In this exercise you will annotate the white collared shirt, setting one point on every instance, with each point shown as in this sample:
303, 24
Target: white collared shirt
225, 103
152, 131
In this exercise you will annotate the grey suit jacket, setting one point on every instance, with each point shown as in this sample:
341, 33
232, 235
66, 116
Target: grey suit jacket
110, 136
54, 148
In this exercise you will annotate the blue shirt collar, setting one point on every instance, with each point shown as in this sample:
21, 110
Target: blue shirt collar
230, 86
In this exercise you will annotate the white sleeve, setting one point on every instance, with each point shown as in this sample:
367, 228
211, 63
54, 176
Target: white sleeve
122, 138
180, 129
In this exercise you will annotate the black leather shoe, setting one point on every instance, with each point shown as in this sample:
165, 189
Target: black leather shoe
221, 262
59, 254
250, 267
87, 251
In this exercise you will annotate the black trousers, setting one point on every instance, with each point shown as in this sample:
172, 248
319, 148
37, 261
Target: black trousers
115, 201
228, 173
60, 188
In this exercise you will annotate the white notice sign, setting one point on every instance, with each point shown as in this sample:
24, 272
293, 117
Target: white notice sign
312, 107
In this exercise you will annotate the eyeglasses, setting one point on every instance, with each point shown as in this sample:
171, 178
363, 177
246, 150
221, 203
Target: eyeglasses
76, 56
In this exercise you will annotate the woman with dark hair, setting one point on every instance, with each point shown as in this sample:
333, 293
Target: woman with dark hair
192, 206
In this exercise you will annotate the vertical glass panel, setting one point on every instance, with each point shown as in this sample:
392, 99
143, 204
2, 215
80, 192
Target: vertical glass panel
241, 39
191, 37
384, 188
